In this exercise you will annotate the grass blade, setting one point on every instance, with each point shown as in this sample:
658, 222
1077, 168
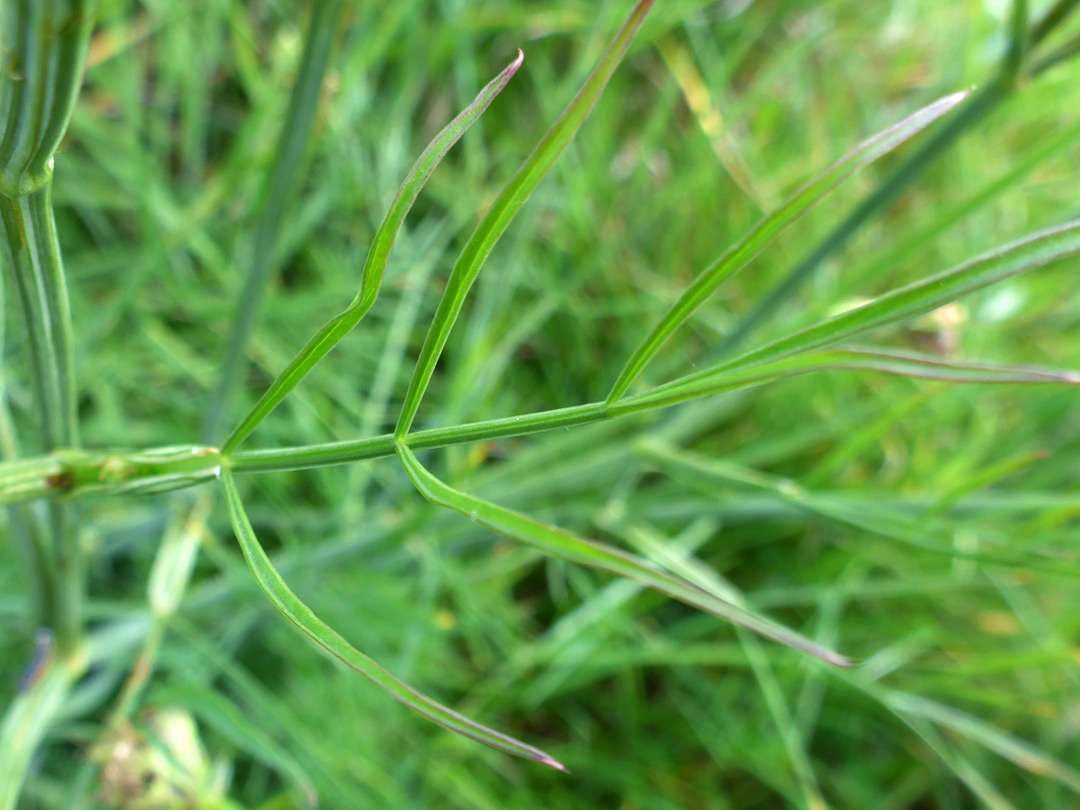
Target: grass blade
375, 264
743, 251
1029, 253
1018, 751
330, 640
505, 208
564, 545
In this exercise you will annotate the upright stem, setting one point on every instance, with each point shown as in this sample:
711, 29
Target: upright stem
30, 250
44, 47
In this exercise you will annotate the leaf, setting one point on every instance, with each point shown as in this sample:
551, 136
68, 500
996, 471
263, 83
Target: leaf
505, 208
743, 251
1018, 751
1029, 253
903, 364
330, 640
378, 256
566, 546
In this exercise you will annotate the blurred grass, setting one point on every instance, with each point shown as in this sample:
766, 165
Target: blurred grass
158, 193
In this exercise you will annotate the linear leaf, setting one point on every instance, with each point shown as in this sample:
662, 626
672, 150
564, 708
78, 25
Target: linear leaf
378, 255
904, 364
330, 640
564, 545
743, 251
505, 208
1014, 749
1029, 253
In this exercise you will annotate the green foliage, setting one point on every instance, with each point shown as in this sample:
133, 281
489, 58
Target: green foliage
906, 502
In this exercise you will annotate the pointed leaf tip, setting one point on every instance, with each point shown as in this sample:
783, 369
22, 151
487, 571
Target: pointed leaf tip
554, 763
334, 330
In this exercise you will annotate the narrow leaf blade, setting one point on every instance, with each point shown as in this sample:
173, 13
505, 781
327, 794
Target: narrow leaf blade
743, 251
1024, 255
330, 640
378, 256
897, 363
564, 545
505, 208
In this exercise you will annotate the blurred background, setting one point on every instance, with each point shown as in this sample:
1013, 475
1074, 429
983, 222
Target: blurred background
952, 575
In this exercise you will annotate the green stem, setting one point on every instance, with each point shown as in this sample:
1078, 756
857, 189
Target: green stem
31, 251
1051, 20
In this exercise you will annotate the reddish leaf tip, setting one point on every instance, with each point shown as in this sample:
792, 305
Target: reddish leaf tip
553, 763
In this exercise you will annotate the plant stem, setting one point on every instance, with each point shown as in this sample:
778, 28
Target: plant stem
31, 250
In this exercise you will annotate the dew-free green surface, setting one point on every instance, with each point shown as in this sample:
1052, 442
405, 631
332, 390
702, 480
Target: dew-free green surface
926, 528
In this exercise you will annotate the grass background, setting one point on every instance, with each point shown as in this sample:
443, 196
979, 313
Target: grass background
719, 111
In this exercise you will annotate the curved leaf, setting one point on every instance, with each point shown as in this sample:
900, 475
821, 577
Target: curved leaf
1031, 252
740, 254
566, 546
505, 208
378, 255
330, 640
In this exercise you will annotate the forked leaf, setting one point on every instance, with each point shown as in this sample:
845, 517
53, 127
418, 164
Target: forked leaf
566, 546
505, 208
903, 364
1029, 253
378, 255
743, 251
330, 640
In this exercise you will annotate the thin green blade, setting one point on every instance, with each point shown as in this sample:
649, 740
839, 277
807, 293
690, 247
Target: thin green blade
505, 208
885, 361
378, 256
1029, 253
564, 545
326, 637
740, 254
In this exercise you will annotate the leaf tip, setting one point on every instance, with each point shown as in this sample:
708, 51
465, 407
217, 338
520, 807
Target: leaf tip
553, 763
955, 98
841, 661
